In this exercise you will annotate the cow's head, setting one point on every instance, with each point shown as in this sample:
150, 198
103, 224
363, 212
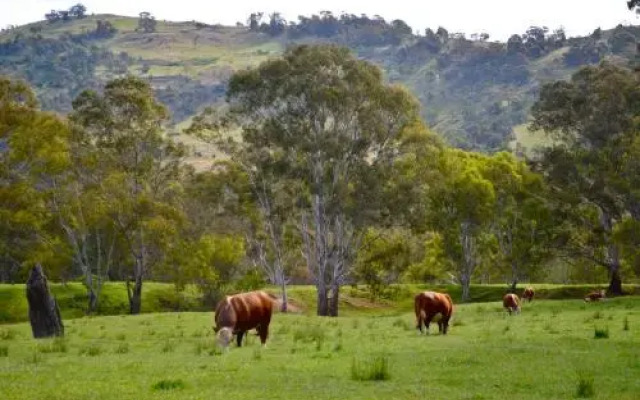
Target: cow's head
224, 336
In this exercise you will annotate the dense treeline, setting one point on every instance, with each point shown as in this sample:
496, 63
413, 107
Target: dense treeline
331, 177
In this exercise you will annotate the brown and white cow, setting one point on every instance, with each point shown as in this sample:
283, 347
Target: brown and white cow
511, 302
430, 304
528, 294
237, 314
595, 296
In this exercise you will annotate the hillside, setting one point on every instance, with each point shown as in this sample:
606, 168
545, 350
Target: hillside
473, 92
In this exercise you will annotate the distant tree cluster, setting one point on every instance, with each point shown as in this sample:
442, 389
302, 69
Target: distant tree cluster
77, 11
351, 28
146, 22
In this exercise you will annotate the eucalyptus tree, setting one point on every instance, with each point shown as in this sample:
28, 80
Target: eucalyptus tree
324, 123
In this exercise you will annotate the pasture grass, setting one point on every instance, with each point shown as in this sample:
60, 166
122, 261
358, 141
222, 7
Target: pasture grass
546, 352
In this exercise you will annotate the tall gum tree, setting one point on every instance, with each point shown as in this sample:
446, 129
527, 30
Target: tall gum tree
324, 121
141, 183
593, 119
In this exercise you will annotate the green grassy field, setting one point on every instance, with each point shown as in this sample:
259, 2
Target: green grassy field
549, 351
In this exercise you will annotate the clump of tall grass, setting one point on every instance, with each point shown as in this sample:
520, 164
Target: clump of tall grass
310, 334
4, 350
625, 324
7, 334
168, 347
402, 323
374, 369
601, 333
122, 348
169, 384
91, 350
57, 345
585, 388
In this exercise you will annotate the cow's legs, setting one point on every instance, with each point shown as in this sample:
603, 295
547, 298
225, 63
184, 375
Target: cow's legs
239, 337
263, 332
427, 321
445, 325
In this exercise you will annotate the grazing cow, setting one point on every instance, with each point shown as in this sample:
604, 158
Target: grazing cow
511, 302
237, 314
430, 304
528, 294
595, 296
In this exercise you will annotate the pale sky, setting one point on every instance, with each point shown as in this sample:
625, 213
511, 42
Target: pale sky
499, 18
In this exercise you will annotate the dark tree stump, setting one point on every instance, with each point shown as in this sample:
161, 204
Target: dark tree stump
44, 313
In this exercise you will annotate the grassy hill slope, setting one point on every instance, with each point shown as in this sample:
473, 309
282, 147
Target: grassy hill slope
473, 91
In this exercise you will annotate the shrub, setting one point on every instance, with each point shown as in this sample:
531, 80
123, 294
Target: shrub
375, 369
601, 333
168, 384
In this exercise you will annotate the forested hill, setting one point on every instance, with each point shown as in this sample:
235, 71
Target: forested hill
473, 91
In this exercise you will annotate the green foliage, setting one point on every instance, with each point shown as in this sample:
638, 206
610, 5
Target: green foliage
383, 258
7, 334
90, 350
168, 384
123, 348
205, 262
585, 388
57, 345
601, 333
374, 369
593, 119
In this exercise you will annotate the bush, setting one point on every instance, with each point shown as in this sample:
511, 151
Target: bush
168, 384
375, 369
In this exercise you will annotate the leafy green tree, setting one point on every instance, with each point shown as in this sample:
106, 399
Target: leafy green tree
33, 151
324, 121
141, 185
462, 202
592, 117
78, 11
384, 258
203, 262
523, 222
147, 22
